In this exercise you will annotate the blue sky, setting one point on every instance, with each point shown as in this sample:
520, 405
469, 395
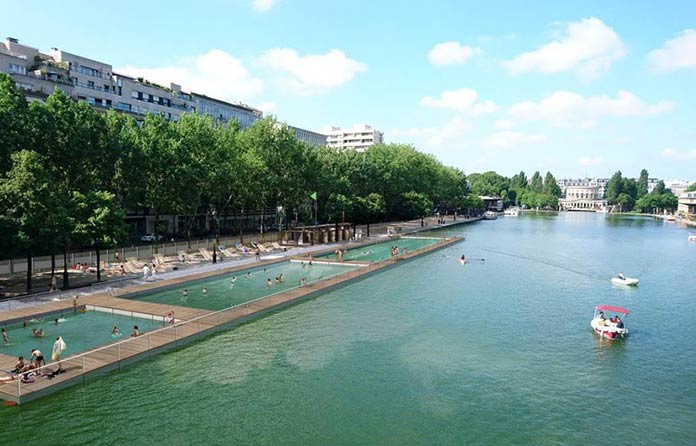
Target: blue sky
578, 88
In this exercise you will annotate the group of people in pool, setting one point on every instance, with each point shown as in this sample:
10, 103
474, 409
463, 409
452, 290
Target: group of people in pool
115, 332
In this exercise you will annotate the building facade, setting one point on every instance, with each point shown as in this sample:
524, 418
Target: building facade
95, 82
583, 198
687, 205
309, 137
678, 187
358, 138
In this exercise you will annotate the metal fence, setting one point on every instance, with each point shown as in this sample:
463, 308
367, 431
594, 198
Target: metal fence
13, 267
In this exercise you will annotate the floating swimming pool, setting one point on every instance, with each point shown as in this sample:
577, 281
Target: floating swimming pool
221, 293
382, 251
81, 332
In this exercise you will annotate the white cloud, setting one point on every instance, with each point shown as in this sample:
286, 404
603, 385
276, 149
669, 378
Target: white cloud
451, 53
451, 132
675, 54
504, 124
267, 107
677, 155
588, 47
262, 5
565, 108
591, 160
313, 71
461, 100
507, 139
216, 73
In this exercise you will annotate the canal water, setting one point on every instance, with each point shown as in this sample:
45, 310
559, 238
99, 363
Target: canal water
497, 351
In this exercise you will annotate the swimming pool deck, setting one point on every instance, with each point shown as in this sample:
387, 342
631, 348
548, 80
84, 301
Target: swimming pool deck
191, 323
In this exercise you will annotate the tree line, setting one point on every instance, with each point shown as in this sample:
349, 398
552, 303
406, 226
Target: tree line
632, 195
69, 175
534, 193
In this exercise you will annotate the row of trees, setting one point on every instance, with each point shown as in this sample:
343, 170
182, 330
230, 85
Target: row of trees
69, 174
630, 194
536, 192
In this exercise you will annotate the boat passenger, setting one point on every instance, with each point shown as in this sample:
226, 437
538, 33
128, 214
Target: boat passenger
619, 322
621, 276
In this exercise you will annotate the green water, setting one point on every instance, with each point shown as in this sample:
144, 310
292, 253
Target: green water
430, 352
382, 251
81, 332
222, 293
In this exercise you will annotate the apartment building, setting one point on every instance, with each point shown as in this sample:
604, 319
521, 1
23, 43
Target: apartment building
359, 138
309, 137
95, 82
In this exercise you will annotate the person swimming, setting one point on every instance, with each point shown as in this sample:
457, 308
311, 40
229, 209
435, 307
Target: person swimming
185, 292
204, 290
248, 275
233, 280
116, 332
37, 333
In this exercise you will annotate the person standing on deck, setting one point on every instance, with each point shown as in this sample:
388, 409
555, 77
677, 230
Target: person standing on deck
146, 271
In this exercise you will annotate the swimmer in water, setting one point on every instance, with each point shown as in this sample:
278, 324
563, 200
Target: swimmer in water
115, 331
233, 280
205, 290
269, 284
185, 292
248, 275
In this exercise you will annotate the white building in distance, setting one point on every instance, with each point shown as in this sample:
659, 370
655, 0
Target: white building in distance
359, 138
678, 187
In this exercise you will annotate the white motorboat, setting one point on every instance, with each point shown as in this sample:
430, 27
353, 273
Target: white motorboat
612, 327
511, 212
692, 237
490, 215
626, 281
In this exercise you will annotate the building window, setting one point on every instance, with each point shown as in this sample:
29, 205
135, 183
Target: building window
14, 68
23, 86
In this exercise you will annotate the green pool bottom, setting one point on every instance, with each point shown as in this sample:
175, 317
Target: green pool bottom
81, 332
382, 251
249, 285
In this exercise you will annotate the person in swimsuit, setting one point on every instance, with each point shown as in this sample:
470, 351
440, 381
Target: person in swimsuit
37, 357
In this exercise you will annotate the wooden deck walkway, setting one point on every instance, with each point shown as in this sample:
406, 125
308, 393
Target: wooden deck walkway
191, 324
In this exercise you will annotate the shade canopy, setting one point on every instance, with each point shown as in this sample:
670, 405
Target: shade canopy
612, 309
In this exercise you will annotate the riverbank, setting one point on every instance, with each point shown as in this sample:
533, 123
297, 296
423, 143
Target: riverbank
83, 282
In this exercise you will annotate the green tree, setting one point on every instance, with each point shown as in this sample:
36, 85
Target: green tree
519, 181
13, 121
642, 186
626, 201
35, 204
537, 184
550, 186
614, 188
99, 221
691, 188
165, 171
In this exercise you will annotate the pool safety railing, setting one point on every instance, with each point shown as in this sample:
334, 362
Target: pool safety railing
114, 356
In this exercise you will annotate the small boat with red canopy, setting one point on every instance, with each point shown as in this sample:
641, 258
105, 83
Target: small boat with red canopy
608, 321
